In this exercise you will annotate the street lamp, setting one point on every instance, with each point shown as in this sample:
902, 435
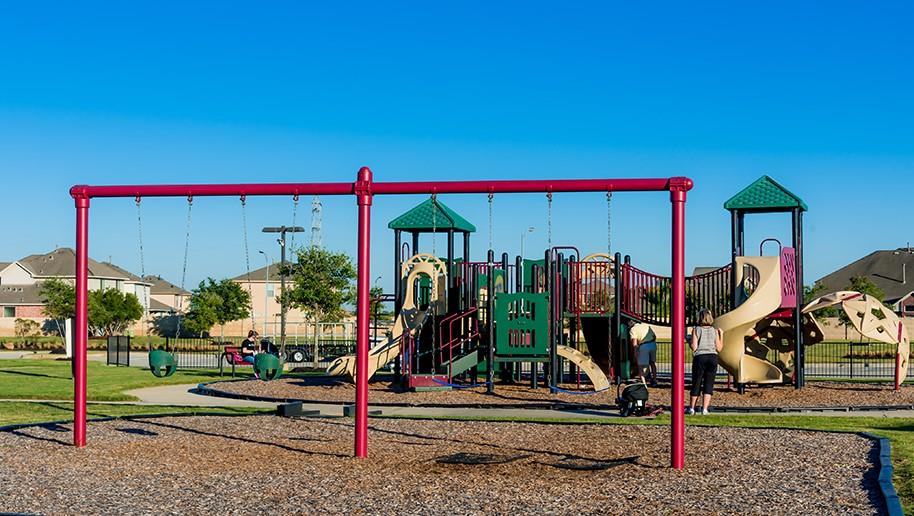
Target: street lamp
282, 230
523, 235
266, 290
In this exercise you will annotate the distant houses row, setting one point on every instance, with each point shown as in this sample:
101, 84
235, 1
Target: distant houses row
20, 284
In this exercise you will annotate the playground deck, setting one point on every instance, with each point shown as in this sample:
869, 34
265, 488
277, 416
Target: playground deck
337, 390
272, 465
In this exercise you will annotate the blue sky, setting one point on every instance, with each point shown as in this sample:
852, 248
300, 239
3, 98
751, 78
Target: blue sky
816, 95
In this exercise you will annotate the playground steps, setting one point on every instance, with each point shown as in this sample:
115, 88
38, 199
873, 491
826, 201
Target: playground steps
462, 364
428, 382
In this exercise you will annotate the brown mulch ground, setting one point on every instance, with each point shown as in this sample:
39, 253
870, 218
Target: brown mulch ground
339, 390
267, 464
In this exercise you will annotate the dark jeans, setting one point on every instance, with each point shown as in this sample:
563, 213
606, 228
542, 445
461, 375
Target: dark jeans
704, 369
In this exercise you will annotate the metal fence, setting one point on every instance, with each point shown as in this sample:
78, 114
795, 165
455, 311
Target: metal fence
825, 360
205, 353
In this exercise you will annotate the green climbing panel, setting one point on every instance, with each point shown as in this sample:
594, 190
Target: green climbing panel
521, 325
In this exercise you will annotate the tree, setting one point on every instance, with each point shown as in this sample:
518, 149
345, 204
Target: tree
863, 285
59, 298
111, 311
216, 302
377, 308
321, 283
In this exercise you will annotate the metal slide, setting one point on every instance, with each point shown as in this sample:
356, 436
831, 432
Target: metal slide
593, 371
736, 324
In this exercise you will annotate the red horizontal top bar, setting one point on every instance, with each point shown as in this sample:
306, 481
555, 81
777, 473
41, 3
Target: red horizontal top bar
391, 188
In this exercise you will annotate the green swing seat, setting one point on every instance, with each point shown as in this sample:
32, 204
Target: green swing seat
267, 366
162, 363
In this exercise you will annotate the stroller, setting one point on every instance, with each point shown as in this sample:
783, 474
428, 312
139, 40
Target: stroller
633, 401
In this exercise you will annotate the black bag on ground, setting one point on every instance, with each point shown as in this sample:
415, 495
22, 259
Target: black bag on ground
633, 400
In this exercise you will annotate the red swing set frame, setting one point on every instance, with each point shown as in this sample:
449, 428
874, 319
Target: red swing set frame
364, 189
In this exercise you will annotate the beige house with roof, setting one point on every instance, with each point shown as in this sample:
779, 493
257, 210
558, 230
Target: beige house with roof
20, 284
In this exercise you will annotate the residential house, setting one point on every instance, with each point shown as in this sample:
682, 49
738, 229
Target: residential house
20, 284
264, 286
888, 270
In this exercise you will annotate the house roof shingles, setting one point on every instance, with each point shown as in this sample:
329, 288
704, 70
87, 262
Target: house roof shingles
157, 285
21, 295
887, 269
258, 275
62, 263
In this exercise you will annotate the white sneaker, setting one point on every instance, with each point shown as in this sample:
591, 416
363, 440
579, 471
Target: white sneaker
690, 411
704, 412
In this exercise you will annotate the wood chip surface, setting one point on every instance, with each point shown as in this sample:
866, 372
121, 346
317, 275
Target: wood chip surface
273, 465
339, 390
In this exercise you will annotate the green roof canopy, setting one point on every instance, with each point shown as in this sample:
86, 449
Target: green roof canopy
428, 216
765, 194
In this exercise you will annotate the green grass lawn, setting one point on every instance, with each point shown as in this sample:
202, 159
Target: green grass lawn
17, 412
50, 380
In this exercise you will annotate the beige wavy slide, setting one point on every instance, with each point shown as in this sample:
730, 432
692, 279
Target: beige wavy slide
593, 371
738, 323
409, 320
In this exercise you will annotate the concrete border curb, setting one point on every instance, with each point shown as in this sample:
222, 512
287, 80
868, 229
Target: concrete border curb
886, 471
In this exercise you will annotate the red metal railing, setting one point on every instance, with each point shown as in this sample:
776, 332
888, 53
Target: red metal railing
449, 340
590, 287
647, 297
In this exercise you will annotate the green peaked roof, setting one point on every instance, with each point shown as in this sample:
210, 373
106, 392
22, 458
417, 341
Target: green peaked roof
428, 216
765, 194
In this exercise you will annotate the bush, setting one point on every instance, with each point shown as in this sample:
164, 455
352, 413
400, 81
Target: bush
27, 328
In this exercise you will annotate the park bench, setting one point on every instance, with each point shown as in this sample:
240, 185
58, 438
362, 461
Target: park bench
231, 355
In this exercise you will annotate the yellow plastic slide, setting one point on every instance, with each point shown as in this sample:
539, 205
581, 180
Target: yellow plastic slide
593, 371
736, 324
409, 320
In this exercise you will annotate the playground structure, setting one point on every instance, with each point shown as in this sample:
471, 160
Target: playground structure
571, 315
365, 189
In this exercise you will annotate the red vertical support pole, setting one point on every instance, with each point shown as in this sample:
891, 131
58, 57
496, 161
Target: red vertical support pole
82, 320
363, 194
678, 189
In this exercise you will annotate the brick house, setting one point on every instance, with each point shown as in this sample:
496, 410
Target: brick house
20, 284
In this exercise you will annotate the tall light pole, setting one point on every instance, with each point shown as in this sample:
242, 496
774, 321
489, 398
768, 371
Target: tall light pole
523, 236
266, 290
282, 230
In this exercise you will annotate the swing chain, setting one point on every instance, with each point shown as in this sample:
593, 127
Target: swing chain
247, 255
549, 219
609, 200
431, 303
491, 218
190, 205
139, 221
294, 216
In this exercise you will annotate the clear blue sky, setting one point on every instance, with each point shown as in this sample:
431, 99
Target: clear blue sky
816, 95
